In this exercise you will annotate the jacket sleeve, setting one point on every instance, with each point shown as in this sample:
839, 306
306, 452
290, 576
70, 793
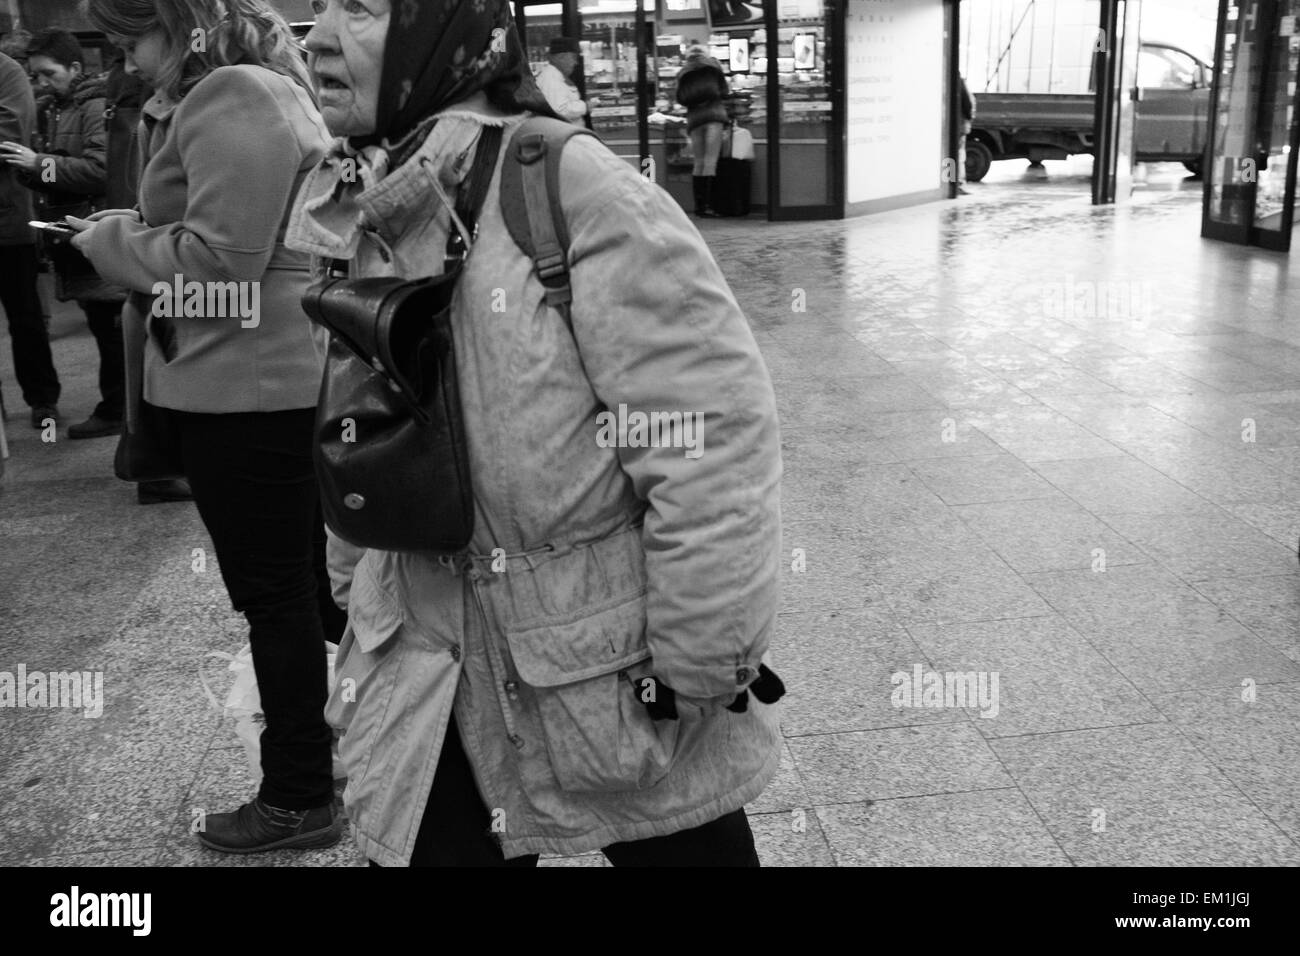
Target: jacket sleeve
562, 99
14, 86
86, 174
669, 336
240, 156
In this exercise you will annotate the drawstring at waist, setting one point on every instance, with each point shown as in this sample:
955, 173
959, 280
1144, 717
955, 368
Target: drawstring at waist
468, 563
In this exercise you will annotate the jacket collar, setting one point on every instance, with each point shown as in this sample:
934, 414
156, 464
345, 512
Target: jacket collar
160, 107
353, 192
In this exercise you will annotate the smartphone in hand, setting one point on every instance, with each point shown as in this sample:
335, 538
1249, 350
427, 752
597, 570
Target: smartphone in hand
56, 233
55, 228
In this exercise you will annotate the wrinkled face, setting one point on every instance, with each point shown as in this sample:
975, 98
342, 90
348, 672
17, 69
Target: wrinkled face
52, 76
144, 55
346, 48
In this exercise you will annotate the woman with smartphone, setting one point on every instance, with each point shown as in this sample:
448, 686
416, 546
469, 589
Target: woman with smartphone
230, 133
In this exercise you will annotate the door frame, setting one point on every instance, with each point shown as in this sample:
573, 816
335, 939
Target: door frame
836, 12
1247, 233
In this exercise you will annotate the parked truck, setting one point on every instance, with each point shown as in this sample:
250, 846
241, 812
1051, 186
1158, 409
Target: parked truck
1171, 117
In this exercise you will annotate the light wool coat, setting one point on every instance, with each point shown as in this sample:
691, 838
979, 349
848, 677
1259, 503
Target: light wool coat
222, 168
614, 563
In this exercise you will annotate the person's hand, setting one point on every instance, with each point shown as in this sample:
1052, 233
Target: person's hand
663, 703
83, 227
105, 213
16, 154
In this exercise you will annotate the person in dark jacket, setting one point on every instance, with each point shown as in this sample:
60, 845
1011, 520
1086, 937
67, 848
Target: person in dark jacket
33, 363
69, 174
967, 118
701, 86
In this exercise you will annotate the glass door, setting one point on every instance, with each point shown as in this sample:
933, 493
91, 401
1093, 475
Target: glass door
1274, 213
1250, 186
797, 53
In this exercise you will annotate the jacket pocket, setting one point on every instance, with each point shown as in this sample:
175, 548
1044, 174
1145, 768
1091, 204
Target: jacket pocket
598, 734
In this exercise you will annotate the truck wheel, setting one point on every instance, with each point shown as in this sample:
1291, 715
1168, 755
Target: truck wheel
1194, 167
978, 160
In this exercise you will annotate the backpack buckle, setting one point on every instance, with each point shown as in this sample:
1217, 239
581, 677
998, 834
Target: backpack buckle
531, 148
550, 266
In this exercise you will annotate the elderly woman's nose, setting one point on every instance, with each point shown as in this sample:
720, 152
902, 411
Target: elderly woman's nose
321, 39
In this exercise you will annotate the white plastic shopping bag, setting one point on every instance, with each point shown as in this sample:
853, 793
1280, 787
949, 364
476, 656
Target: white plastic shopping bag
244, 704
742, 143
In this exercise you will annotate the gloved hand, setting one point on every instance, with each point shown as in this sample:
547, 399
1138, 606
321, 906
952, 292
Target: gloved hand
661, 700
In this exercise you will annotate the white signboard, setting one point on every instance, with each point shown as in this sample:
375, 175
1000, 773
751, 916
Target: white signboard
894, 116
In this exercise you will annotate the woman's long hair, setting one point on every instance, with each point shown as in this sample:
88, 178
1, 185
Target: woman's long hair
201, 35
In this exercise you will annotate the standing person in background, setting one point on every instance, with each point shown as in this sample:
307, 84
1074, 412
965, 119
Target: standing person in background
68, 173
967, 118
231, 131
33, 362
701, 86
555, 80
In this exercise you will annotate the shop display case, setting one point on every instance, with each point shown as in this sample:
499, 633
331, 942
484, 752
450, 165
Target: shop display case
738, 38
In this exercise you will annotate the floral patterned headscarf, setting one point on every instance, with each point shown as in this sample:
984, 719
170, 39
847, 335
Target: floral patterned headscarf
438, 52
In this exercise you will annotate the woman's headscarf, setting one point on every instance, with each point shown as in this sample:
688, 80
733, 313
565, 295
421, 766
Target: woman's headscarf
438, 52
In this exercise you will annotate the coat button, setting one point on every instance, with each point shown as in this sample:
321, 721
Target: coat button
354, 501
512, 689
517, 741
744, 674
455, 652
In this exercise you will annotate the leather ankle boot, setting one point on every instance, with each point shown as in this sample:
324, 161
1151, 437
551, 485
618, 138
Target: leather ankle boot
705, 203
257, 826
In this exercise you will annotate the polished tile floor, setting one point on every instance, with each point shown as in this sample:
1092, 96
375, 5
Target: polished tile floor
1053, 446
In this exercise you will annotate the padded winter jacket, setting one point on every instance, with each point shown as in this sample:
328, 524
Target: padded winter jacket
590, 565
71, 151
701, 86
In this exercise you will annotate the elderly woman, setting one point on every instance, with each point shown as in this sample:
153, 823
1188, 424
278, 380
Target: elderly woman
495, 706
229, 135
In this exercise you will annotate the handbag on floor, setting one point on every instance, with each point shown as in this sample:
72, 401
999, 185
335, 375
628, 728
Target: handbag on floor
148, 449
391, 455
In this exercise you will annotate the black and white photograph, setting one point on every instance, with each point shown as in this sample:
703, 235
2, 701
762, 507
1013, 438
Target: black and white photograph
503, 433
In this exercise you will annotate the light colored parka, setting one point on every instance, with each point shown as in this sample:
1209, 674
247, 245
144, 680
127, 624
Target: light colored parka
614, 563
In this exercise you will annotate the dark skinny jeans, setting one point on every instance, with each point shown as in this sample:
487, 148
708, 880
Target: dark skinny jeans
255, 489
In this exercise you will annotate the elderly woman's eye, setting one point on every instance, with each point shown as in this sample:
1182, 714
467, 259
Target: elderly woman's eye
318, 6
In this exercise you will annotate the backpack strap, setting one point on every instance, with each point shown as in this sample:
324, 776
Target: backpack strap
530, 201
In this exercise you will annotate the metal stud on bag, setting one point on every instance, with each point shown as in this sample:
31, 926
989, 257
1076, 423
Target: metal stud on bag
354, 501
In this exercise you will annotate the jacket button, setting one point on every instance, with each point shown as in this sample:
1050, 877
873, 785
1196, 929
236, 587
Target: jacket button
512, 689
744, 674
354, 501
517, 741
455, 652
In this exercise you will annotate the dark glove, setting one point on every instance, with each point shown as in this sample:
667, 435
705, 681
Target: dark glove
767, 687
661, 700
